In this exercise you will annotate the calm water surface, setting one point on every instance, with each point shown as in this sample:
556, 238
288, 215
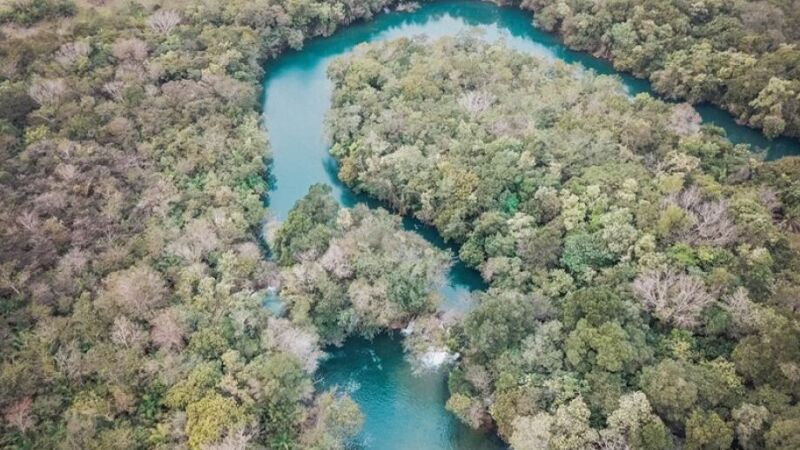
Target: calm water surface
404, 410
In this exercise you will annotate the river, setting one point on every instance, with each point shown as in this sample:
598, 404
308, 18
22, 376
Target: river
404, 410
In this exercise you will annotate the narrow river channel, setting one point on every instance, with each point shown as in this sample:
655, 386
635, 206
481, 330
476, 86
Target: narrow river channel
403, 410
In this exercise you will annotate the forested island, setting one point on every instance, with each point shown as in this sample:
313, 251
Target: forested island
641, 268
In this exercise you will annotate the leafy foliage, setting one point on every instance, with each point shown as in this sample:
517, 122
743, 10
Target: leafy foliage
365, 274
741, 55
132, 183
636, 299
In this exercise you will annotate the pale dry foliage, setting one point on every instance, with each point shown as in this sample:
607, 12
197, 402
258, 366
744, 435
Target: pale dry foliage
711, 223
52, 201
123, 401
337, 259
114, 89
66, 172
120, 128
199, 238
29, 221
137, 291
673, 297
229, 88
370, 302
283, 335
770, 199
48, 92
167, 330
71, 52
127, 334
69, 360
532, 432
612, 441
18, 414
479, 377
763, 18
129, 49
235, 440
685, 120
476, 101
632, 414
71, 265
164, 21
791, 371
742, 309
305, 275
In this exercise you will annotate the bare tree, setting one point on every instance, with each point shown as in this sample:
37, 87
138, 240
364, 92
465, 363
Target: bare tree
234, 440
129, 49
29, 221
742, 309
336, 260
114, 89
199, 238
69, 360
126, 333
611, 441
688, 198
476, 101
711, 223
164, 20
71, 52
18, 414
48, 92
168, 331
283, 335
67, 172
137, 291
673, 297
684, 119
770, 199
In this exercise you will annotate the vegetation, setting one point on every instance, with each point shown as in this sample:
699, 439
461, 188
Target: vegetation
354, 270
642, 268
739, 54
131, 193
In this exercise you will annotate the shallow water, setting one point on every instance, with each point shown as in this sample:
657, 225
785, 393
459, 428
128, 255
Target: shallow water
403, 410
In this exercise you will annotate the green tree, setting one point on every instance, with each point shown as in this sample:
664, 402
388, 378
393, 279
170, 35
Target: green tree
706, 430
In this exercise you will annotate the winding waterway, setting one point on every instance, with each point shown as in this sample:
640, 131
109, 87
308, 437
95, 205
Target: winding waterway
404, 410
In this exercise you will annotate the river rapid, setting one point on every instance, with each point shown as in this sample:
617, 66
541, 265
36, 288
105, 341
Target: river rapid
405, 410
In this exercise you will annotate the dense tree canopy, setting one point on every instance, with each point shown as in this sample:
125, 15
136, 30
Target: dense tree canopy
132, 180
354, 270
642, 268
739, 54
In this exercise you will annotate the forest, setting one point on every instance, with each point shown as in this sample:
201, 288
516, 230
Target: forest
642, 269
738, 54
356, 272
132, 186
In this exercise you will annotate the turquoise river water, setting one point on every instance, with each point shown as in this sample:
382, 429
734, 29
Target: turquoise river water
404, 410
